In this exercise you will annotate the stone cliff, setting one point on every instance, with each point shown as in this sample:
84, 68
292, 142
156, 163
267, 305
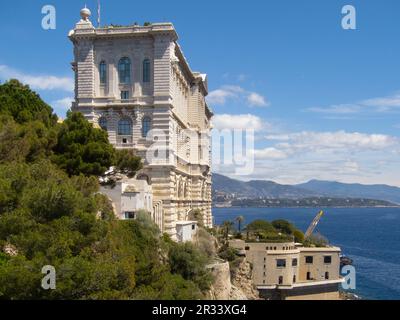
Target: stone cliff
230, 285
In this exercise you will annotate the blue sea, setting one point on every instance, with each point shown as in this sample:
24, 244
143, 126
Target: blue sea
369, 236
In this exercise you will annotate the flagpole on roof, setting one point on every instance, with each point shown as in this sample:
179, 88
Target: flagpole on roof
98, 13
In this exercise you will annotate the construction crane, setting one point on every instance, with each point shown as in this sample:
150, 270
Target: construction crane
313, 225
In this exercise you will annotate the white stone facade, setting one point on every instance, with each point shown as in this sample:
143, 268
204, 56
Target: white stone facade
136, 195
161, 107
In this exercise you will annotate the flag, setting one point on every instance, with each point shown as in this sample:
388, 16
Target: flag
98, 13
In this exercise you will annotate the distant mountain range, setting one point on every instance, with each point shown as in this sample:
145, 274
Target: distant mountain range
314, 188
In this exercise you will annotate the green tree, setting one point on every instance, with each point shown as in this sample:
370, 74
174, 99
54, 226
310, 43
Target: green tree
227, 227
24, 105
283, 226
127, 162
298, 236
316, 240
239, 220
52, 214
186, 260
81, 148
227, 253
260, 226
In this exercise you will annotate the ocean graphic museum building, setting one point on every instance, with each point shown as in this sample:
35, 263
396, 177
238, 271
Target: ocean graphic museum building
135, 83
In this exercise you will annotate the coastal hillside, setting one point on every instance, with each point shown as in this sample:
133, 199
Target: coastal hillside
258, 188
227, 188
337, 189
52, 214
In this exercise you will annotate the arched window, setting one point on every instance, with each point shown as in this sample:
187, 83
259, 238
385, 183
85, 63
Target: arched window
103, 72
125, 127
146, 70
103, 123
124, 70
146, 126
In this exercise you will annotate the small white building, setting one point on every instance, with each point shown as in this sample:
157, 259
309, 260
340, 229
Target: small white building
186, 230
130, 196
136, 195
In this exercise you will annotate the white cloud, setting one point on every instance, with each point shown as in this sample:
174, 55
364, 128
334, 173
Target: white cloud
257, 100
269, 153
380, 104
227, 92
63, 104
383, 104
351, 166
240, 121
219, 96
319, 141
350, 157
38, 82
338, 109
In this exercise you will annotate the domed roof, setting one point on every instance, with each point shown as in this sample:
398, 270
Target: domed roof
85, 13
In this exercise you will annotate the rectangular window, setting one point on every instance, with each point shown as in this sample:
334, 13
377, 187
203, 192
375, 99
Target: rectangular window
280, 280
193, 227
294, 262
129, 215
309, 276
326, 275
327, 259
281, 263
309, 259
146, 70
103, 73
124, 95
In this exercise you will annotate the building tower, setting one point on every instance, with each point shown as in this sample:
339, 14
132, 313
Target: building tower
135, 83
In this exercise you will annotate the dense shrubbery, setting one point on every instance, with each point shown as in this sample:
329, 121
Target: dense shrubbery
262, 230
51, 214
127, 162
278, 230
24, 105
227, 253
81, 148
29, 131
316, 240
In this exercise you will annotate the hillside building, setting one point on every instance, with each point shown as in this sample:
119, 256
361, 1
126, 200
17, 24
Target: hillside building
135, 83
289, 271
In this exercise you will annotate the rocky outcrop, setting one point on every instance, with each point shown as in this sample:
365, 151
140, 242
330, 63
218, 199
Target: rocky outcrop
221, 287
10, 250
237, 294
242, 278
237, 288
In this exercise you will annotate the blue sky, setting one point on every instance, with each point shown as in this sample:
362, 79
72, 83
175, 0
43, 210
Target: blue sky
325, 102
